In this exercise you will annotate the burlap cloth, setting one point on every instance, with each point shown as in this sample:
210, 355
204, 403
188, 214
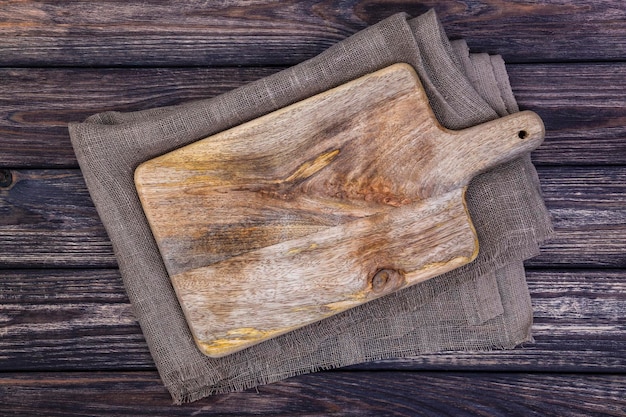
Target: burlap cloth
483, 305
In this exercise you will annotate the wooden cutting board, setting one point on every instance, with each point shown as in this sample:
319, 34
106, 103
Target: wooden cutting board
319, 207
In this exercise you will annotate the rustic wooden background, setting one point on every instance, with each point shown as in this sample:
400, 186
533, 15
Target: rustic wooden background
69, 344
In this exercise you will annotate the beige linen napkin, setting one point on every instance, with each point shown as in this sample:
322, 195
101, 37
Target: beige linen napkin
483, 305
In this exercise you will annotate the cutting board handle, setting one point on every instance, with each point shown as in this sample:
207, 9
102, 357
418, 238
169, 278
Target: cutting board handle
474, 150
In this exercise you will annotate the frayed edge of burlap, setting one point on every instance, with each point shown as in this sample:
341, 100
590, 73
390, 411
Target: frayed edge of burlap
196, 389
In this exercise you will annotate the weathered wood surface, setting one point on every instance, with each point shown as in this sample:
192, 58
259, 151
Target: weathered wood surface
583, 107
590, 224
335, 201
37, 104
48, 220
81, 320
111, 33
325, 394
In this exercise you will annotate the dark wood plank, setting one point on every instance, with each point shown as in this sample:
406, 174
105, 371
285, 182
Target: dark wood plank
66, 336
48, 219
37, 104
68, 318
323, 394
588, 207
81, 320
586, 121
583, 107
578, 327
55, 286
110, 33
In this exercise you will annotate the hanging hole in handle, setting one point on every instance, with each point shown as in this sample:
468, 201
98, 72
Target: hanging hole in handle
522, 134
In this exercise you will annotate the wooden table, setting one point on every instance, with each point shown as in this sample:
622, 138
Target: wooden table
69, 343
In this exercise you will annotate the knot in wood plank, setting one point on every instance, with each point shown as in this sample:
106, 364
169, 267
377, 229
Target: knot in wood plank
385, 280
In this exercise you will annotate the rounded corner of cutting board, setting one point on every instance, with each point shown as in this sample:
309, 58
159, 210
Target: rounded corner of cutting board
402, 66
209, 350
219, 348
139, 175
